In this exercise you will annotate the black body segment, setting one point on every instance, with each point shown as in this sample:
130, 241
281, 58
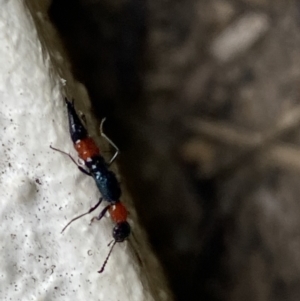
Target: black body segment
76, 127
105, 179
121, 231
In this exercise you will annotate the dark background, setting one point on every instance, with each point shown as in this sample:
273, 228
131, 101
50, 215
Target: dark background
209, 146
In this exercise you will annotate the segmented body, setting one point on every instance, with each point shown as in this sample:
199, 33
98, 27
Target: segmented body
105, 179
89, 152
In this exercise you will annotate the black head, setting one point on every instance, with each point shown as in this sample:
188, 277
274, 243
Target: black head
121, 231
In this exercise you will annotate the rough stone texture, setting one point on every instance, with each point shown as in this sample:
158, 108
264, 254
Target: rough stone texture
40, 189
221, 211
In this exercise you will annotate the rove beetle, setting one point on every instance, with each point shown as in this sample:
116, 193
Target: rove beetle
105, 179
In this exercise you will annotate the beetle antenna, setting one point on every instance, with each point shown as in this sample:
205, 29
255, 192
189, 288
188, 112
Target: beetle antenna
107, 257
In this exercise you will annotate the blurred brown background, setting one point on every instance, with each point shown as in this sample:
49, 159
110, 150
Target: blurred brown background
202, 97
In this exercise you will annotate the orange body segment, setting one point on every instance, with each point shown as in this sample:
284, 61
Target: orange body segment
118, 212
86, 148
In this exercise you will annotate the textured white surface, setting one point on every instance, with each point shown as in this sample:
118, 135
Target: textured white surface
41, 190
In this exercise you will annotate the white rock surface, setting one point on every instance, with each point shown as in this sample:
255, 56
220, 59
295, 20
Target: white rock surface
41, 190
